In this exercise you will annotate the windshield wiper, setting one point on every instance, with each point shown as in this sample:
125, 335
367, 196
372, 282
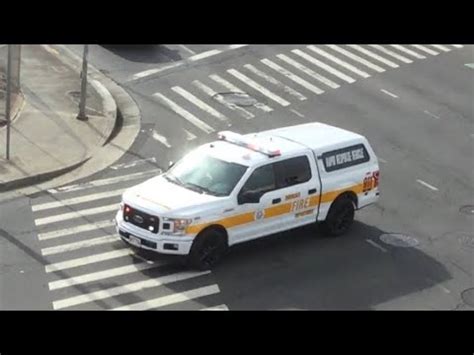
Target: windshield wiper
200, 188
173, 179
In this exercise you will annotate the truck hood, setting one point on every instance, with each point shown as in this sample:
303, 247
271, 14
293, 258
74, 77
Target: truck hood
159, 196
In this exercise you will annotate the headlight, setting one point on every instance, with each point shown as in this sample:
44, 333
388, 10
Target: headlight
179, 225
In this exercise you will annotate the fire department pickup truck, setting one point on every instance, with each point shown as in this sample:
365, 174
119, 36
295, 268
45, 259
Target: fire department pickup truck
243, 187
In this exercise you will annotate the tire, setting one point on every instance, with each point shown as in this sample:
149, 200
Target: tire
340, 217
208, 249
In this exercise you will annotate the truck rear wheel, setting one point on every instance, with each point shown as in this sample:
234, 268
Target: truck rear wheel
340, 217
208, 249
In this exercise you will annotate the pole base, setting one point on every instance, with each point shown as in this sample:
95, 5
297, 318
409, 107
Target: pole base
82, 118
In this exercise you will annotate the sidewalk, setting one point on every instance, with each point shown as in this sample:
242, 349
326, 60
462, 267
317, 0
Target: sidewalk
46, 138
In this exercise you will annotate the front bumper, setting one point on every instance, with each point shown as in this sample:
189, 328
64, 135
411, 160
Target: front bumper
158, 243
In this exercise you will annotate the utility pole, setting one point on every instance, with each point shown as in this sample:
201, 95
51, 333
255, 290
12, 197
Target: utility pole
82, 104
8, 98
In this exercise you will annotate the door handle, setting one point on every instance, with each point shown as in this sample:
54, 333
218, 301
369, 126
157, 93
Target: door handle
276, 200
312, 191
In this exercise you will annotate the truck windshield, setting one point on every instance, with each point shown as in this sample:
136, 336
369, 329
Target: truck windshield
206, 174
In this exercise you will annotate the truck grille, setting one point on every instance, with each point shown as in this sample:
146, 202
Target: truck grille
141, 219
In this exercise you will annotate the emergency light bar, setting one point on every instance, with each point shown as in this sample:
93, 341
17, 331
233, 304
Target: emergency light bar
240, 140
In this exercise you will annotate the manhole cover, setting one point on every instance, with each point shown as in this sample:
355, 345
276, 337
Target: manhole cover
468, 209
468, 296
238, 98
399, 240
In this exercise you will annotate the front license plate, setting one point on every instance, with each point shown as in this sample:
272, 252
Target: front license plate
134, 241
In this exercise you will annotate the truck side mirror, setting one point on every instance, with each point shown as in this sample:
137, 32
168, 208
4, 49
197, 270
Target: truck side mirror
170, 165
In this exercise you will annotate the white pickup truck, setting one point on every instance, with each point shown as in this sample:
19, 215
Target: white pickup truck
243, 187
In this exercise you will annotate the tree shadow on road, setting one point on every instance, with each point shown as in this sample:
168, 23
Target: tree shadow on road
145, 53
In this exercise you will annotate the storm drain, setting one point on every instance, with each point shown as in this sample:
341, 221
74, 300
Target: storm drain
238, 98
399, 240
467, 209
468, 297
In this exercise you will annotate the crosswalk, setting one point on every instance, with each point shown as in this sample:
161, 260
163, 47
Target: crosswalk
90, 268
283, 80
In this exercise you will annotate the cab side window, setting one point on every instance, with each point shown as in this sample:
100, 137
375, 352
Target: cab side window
292, 171
262, 180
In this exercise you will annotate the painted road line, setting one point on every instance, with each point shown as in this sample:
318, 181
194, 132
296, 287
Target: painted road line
100, 275
221, 307
133, 164
77, 200
458, 45
162, 139
231, 87
187, 49
339, 61
77, 214
236, 46
258, 87
425, 49
76, 230
103, 182
275, 82
374, 56
378, 246
356, 58
149, 72
427, 185
389, 93
297, 113
189, 135
220, 99
199, 103
171, 299
91, 259
391, 53
79, 245
185, 114
124, 289
308, 71
292, 76
443, 48
408, 51
431, 114
204, 55
323, 66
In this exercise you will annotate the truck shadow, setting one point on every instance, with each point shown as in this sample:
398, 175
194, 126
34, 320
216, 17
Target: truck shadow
144, 53
302, 269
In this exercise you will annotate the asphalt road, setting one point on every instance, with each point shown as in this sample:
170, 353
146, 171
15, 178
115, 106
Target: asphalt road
417, 113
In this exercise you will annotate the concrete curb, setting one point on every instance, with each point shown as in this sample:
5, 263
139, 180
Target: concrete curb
120, 138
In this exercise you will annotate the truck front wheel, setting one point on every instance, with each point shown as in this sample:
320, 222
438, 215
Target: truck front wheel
340, 217
208, 249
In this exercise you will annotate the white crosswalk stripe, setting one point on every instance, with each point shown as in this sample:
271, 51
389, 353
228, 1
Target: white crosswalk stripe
292, 76
76, 230
274, 81
408, 51
258, 87
308, 71
171, 299
103, 182
184, 113
101, 275
324, 66
338, 61
124, 289
458, 45
77, 214
443, 48
391, 53
356, 58
79, 245
199, 103
221, 307
425, 49
87, 260
220, 99
374, 56
229, 86
77, 200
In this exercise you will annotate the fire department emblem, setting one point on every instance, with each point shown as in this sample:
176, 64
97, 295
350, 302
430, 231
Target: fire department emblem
259, 215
